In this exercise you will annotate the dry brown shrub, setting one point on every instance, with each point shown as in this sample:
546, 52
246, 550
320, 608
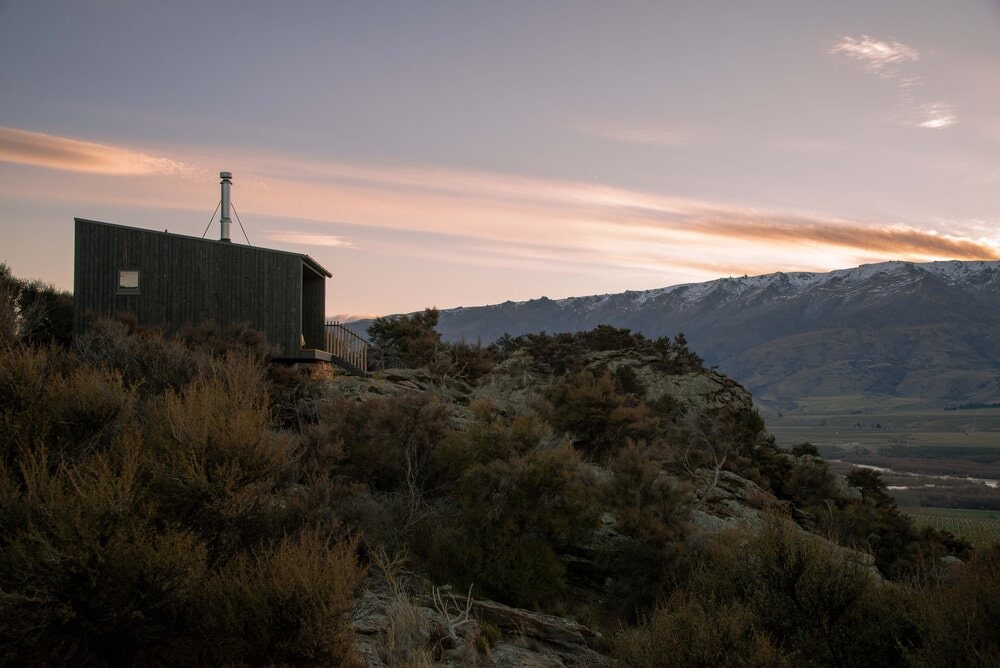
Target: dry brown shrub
690, 631
47, 398
213, 461
285, 604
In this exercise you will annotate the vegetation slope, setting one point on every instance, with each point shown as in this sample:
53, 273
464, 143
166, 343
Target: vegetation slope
596, 497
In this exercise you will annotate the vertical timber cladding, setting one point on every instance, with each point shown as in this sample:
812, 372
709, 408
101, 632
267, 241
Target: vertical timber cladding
186, 280
313, 307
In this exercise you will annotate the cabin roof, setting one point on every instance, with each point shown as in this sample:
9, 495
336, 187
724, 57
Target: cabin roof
313, 264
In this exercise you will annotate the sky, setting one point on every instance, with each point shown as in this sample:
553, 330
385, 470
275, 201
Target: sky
463, 153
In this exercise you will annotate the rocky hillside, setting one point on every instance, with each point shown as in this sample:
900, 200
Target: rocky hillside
930, 330
677, 458
574, 500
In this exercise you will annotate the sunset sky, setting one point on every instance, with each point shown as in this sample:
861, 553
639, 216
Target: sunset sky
466, 153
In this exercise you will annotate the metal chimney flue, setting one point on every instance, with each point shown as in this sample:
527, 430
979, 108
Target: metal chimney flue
227, 183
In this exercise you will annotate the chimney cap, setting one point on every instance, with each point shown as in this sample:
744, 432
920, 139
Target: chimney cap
225, 175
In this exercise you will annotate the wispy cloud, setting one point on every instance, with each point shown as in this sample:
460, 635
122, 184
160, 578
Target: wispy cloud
481, 218
659, 135
878, 56
43, 150
894, 62
935, 115
308, 239
563, 221
891, 241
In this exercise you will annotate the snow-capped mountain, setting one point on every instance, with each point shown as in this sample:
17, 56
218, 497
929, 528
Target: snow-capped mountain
929, 330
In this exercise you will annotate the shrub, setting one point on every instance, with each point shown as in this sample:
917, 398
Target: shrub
598, 416
689, 631
653, 515
47, 399
32, 312
213, 462
218, 340
805, 449
469, 362
388, 441
408, 341
85, 575
957, 616
284, 604
147, 361
492, 435
514, 518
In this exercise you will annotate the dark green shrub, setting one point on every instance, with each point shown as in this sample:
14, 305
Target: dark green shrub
515, 517
407, 341
388, 441
598, 416
805, 449
653, 515
469, 362
491, 436
295, 396
33, 313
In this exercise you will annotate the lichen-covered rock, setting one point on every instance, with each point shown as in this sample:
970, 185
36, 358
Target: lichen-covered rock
731, 501
399, 630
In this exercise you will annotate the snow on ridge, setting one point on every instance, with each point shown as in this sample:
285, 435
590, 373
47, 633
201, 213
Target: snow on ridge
952, 271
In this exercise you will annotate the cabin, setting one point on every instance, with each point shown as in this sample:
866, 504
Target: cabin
173, 281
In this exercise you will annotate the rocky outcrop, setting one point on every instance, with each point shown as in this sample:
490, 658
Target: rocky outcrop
731, 501
397, 629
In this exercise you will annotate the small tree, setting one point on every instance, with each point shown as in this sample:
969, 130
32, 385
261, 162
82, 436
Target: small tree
33, 312
407, 341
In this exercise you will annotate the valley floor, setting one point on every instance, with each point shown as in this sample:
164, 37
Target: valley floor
929, 456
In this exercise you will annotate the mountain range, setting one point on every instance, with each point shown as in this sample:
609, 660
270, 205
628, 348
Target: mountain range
925, 330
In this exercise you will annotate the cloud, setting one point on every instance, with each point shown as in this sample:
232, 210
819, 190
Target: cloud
308, 239
544, 220
516, 222
891, 241
893, 61
642, 134
43, 150
877, 56
936, 115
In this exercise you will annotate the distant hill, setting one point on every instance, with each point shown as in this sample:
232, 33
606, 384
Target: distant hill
928, 330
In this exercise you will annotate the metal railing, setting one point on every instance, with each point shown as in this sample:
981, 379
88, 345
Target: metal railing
345, 344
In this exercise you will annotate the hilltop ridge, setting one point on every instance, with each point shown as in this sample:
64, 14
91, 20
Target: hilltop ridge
926, 330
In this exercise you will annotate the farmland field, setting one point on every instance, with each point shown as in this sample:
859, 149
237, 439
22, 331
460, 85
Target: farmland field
846, 423
929, 456
976, 526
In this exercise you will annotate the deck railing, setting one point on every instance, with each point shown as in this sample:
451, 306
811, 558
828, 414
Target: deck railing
345, 344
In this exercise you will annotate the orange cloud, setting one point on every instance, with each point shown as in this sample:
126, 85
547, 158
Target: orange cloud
308, 239
895, 240
491, 219
42, 150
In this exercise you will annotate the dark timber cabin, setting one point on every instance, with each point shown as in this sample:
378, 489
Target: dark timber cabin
172, 281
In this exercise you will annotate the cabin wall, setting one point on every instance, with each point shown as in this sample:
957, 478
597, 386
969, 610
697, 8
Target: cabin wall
313, 307
185, 280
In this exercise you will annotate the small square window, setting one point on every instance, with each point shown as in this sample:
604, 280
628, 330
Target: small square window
128, 280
